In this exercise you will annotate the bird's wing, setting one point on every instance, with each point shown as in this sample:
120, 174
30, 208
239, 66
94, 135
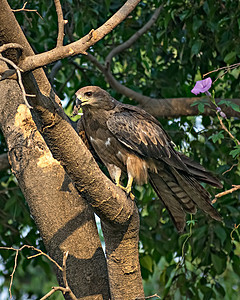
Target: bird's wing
145, 137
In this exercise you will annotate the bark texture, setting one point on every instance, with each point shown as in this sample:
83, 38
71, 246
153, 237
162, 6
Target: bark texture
65, 221
53, 203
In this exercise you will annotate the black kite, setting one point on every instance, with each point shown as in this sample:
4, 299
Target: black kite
128, 139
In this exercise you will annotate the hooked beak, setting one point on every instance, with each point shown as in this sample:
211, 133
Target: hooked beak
80, 101
78, 104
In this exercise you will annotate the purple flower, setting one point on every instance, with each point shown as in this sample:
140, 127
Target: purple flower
202, 86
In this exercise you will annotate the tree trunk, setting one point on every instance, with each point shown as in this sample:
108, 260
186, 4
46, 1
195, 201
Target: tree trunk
64, 219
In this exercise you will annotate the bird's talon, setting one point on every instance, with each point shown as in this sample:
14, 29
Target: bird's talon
131, 196
127, 190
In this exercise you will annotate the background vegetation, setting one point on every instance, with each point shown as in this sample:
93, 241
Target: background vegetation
189, 39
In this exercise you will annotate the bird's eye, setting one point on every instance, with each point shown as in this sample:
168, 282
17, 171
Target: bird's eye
88, 94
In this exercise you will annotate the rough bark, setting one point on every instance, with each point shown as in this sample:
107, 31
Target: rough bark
64, 219
118, 213
70, 223
4, 163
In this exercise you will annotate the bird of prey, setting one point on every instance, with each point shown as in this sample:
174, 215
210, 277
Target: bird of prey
129, 140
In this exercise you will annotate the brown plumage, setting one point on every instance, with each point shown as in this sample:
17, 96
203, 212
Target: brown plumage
128, 139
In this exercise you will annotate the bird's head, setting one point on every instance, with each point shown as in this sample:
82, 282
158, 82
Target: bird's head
91, 97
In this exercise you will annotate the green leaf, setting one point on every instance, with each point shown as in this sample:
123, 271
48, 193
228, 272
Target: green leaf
196, 47
219, 262
147, 263
220, 233
217, 136
228, 103
237, 248
230, 57
236, 264
207, 292
196, 23
201, 107
235, 152
219, 288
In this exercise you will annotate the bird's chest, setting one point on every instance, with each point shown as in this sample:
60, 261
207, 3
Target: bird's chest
105, 144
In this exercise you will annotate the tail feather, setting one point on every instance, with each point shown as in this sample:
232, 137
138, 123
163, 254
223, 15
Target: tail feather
180, 193
171, 203
197, 193
199, 172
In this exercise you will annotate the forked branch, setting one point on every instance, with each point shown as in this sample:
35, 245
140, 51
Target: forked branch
80, 46
64, 290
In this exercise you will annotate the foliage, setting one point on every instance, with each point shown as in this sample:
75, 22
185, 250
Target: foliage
189, 38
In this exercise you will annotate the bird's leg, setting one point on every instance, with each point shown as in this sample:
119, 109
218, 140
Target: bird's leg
128, 188
129, 184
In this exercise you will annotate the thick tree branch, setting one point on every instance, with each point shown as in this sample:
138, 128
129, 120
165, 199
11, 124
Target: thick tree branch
61, 215
119, 213
80, 46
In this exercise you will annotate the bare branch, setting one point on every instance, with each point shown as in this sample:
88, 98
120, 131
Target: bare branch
10, 46
226, 68
61, 23
230, 169
65, 289
53, 290
26, 9
44, 254
64, 267
149, 297
235, 188
134, 37
228, 132
18, 70
80, 46
64, 272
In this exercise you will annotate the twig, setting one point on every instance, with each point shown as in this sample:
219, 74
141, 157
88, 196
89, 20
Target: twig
223, 68
134, 37
149, 297
234, 229
12, 274
10, 46
61, 23
55, 289
65, 289
230, 169
227, 69
152, 296
235, 188
16, 257
64, 273
225, 128
26, 9
64, 268
18, 70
